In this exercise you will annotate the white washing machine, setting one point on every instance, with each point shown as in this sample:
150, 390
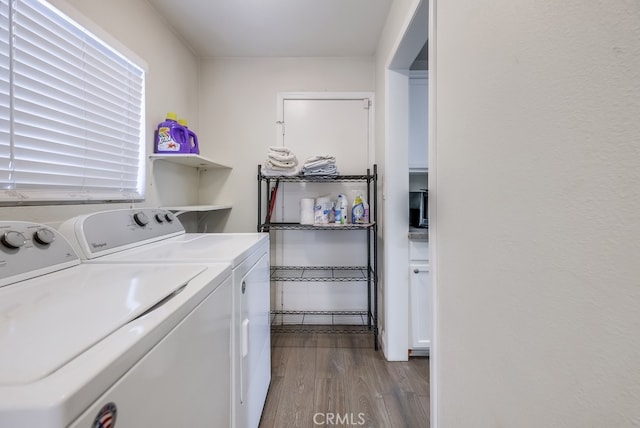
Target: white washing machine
118, 345
157, 236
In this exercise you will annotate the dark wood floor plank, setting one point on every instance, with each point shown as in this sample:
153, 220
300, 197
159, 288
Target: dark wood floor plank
329, 400
343, 381
274, 396
406, 409
418, 375
365, 401
279, 358
396, 375
299, 386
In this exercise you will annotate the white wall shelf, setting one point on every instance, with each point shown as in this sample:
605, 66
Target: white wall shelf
192, 160
196, 208
199, 163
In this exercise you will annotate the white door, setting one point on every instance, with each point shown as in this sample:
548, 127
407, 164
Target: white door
338, 125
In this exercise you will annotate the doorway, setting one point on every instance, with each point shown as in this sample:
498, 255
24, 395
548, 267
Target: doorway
416, 46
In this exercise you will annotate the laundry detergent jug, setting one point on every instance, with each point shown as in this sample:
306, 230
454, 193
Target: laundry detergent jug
193, 138
171, 137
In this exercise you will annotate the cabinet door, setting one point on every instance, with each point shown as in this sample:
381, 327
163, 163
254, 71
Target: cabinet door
418, 123
421, 306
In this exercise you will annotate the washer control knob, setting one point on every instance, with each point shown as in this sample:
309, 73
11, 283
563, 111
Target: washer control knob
44, 236
141, 219
12, 239
159, 218
169, 217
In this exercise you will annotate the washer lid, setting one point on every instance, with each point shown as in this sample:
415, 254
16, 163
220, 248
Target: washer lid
193, 248
47, 321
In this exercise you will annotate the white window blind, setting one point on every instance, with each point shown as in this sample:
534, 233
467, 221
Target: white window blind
5, 114
71, 111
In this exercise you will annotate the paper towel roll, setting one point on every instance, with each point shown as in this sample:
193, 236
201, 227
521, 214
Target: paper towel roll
306, 211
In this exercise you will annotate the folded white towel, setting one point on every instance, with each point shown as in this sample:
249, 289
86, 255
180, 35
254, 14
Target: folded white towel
272, 163
325, 170
319, 163
271, 172
280, 149
319, 158
282, 157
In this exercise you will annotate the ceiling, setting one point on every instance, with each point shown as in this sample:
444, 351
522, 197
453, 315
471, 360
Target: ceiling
277, 28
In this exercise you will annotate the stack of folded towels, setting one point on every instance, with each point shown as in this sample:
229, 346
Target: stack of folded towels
320, 165
280, 161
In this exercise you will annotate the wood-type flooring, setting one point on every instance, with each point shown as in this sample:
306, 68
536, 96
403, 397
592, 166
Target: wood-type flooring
339, 380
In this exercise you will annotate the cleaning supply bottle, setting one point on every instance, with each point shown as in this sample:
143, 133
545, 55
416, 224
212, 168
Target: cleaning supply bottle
342, 216
171, 137
365, 217
193, 138
357, 212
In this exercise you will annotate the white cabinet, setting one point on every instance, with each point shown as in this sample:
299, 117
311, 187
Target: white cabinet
420, 290
418, 121
420, 298
201, 163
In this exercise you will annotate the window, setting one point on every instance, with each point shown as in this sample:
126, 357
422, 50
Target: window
71, 111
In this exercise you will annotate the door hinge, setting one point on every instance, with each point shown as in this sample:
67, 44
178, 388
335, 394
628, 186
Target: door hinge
366, 103
281, 122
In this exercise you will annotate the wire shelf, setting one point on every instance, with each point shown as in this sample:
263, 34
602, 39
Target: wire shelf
320, 273
329, 226
324, 321
316, 178
335, 322
329, 329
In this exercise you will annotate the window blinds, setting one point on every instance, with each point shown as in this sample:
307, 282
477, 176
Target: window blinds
5, 115
71, 113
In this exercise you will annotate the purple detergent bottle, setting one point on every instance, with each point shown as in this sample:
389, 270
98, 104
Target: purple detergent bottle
171, 137
193, 138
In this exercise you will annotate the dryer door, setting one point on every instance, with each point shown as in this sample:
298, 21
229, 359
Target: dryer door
254, 338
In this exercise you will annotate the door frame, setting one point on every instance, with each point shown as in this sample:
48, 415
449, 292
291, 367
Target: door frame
397, 83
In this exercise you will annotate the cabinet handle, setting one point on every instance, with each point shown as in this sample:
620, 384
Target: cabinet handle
244, 286
416, 271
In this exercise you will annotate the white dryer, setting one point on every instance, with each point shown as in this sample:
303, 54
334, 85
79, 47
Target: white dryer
119, 345
157, 236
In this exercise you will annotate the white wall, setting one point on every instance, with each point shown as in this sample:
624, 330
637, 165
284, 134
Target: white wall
172, 85
238, 112
537, 204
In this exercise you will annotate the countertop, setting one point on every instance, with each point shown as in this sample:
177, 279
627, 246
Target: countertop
419, 233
